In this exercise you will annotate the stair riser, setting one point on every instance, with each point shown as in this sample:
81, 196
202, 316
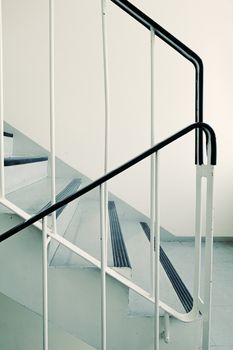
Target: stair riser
17, 176
84, 231
63, 222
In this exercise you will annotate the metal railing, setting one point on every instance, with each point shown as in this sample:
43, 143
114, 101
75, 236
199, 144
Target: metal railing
204, 170
156, 31
182, 49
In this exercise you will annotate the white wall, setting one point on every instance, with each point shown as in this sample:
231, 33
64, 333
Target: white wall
204, 26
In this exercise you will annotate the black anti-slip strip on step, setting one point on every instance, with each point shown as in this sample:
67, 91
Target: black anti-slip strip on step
23, 160
119, 252
71, 188
8, 134
177, 283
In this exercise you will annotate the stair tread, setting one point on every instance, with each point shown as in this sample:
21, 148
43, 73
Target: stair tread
33, 197
179, 286
84, 222
70, 188
8, 144
119, 251
139, 254
8, 134
17, 160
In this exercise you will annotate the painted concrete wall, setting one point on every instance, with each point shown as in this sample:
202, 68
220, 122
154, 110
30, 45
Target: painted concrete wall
23, 327
204, 26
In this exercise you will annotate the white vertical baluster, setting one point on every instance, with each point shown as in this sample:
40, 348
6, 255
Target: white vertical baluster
152, 166
52, 109
103, 267
154, 209
106, 96
157, 253
208, 259
198, 232
45, 282
2, 180
106, 111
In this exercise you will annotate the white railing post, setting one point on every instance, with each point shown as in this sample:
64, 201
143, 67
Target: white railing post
52, 109
106, 95
103, 267
154, 207
157, 254
198, 233
152, 169
208, 259
2, 179
106, 111
45, 282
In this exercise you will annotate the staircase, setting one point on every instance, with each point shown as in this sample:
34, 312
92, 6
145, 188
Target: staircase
86, 270
28, 188
74, 283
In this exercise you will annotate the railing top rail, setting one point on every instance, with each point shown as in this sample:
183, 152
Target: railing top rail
201, 126
182, 49
162, 33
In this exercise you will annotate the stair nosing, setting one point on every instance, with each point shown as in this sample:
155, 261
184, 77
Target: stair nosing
66, 191
119, 251
8, 134
177, 283
11, 161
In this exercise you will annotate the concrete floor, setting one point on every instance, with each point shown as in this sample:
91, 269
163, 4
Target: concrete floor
222, 302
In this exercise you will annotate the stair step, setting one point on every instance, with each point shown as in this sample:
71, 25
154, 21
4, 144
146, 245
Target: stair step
28, 169
84, 231
9, 161
32, 200
33, 197
8, 144
8, 134
119, 251
179, 286
138, 249
63, 221
86, 220
71, 188
74, 299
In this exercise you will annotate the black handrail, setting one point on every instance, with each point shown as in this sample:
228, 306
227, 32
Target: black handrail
185, 51
202, 126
